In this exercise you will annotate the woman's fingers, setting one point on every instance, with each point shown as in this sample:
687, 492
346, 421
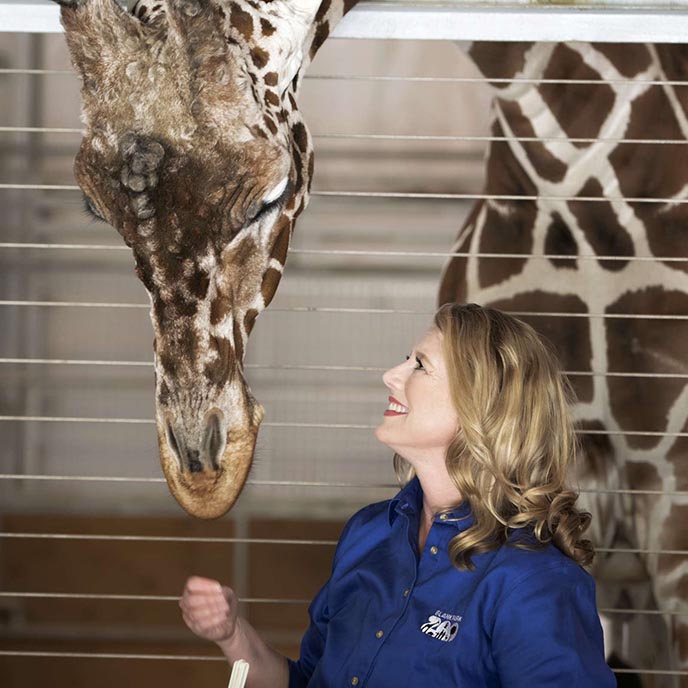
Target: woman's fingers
208, 608
202, 585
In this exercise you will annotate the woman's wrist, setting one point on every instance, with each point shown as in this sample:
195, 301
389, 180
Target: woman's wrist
232, 646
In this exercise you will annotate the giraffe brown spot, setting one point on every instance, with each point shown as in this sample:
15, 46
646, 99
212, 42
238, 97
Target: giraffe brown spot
221, 368
655, 171
674, 61
198, 284
570, 335
508, 225
267, 28
453, 286
580, 109
270, 79
596, 454
238, 340
300, 209
322, 10
283, 236
546, 165
677, 456
271, 279
598, 221
646, 346
241, 21
673, 538
559, 241
270, 124
164, 394
311, 168
271, 98
185, 307
628, 58
300, 136
321, 34
298, 167
259, 131
292, 102
260, 57
250, 320
219, 308
168, 361
348, 4
642, 475
282, 115
497, 60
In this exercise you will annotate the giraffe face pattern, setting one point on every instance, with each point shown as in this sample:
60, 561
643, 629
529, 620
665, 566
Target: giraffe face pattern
196, 154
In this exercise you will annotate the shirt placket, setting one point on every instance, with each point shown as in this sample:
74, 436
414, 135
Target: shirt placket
419, 569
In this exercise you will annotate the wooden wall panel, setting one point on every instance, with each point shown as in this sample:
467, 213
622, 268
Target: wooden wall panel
143, 568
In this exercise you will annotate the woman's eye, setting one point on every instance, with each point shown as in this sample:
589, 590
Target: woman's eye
419, 363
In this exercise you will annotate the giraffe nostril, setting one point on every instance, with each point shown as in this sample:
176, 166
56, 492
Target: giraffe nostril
172, 442
213, 439
195, 466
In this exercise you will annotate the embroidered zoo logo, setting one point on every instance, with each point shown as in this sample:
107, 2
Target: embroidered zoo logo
442, 626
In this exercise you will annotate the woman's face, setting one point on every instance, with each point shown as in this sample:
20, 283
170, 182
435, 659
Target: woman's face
420, 419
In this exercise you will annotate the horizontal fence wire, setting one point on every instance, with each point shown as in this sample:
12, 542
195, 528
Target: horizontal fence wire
362, 311
268, 541
9, 594
17, 71
208, 658
419, 195
312, 368
305, 483
379, 254
291, 424
362, 136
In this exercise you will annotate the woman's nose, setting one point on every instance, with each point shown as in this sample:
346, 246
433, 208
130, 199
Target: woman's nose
394, 377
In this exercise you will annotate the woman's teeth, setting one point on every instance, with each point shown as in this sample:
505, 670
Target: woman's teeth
397, 408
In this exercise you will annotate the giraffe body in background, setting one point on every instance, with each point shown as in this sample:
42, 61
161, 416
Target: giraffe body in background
596, 167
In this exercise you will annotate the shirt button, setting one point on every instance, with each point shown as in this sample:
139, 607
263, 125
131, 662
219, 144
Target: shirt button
434, 550
354, 681
379, 634
406, 592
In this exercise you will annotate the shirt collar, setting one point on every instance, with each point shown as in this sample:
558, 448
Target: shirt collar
409, 500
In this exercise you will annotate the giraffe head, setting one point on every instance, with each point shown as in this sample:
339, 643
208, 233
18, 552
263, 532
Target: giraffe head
195, 153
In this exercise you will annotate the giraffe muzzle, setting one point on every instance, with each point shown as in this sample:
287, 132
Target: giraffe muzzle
206, 465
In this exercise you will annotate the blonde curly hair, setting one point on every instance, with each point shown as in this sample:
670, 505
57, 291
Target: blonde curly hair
516, 441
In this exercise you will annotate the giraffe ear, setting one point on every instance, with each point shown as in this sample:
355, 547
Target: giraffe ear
97, 30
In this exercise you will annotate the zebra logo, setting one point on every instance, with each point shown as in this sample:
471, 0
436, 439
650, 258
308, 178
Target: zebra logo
442, 626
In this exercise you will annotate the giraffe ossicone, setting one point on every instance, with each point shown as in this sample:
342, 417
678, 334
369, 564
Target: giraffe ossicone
196, 153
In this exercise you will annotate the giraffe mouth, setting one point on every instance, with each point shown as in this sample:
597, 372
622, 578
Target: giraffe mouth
207, 480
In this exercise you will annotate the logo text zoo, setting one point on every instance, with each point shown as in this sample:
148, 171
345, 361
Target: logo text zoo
442, 626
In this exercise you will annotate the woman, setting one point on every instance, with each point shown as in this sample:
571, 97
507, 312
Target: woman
471, 576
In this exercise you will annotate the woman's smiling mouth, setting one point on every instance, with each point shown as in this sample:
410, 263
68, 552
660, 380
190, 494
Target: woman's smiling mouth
395, 408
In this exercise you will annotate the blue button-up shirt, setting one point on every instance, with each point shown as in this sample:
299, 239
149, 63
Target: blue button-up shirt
391, 616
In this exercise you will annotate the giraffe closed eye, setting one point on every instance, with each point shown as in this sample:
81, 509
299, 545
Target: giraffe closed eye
273, 200
91, 210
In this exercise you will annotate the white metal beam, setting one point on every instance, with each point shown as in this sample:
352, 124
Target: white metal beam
608, 21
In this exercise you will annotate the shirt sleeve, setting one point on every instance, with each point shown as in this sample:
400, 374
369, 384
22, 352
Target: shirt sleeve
547, 633
312, 643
